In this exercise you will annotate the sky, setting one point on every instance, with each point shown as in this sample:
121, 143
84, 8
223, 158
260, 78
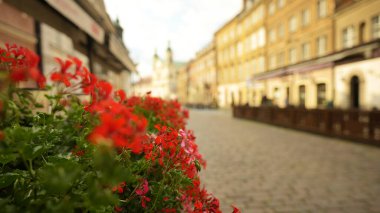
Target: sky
189, 25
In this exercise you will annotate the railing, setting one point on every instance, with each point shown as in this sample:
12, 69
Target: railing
356, 125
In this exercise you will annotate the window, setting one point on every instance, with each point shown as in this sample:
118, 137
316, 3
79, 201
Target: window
292, 24
302, 95
305, 17
321, 94
281, 31
260, 12
272, 8
305, 51
239, 30
232, 52
348, 37
276, 96
280, 3
257, 15
253, 41
321, 45
261, 35
287, 96
281, 59
240, 48
272, 35
249, 4
247, 44
253, 66
322, 8
292, 55
261, 64
376, 27
240, 72
224, 38
361, 32
272, 62
232, 35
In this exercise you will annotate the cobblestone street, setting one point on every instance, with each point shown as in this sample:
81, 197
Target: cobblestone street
262, 168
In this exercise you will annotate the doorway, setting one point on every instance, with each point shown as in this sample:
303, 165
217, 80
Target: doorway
355, 92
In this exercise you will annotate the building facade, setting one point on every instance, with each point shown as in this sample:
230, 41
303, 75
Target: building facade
183, 83
142, 87
202, 72
299, 33
304, 53
164, 78
82, 28
357, 72
240, 52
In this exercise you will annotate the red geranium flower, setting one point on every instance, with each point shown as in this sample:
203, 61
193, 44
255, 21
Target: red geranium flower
236, 210
62, 76
143, 189
22, 64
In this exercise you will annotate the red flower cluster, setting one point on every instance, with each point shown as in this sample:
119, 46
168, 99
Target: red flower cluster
178, 147
21, 63
168, 112
120, 125
74, 76
142, 191
200, 199
119, 188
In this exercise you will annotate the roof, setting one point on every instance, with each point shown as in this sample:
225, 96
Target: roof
178, 64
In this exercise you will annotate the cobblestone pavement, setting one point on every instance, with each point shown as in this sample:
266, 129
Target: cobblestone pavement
262, 168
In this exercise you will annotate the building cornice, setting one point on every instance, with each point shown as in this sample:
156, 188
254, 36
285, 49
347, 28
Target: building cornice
361, 52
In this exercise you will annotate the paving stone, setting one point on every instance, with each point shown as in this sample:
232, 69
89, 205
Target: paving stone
262, 168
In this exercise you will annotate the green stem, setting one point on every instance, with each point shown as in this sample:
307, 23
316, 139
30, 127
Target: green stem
160, 187
28, 165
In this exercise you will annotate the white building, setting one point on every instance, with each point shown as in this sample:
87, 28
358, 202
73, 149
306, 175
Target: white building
164, 79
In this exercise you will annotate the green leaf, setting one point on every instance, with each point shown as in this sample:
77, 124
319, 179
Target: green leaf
7, 179
6, 158
59, 175
198, 166
31, 152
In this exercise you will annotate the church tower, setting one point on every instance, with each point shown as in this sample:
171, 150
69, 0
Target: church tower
169, 55
155, 59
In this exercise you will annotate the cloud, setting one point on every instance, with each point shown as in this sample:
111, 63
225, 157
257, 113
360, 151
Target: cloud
188, 24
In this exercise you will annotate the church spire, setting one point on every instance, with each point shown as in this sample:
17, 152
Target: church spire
169, 48
169, 54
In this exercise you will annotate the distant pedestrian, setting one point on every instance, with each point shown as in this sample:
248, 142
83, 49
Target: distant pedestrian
264, 101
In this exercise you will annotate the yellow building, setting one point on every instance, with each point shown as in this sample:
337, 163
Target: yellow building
183, 84
306, 53
164, 78
203, 85
357, 42
240, 50
300, 34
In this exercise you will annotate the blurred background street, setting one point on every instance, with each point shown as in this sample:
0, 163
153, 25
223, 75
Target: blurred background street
262, 168
310, 65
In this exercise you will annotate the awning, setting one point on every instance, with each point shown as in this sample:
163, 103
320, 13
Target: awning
73, 12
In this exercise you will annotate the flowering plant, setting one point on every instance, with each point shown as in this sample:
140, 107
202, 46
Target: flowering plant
111, 153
